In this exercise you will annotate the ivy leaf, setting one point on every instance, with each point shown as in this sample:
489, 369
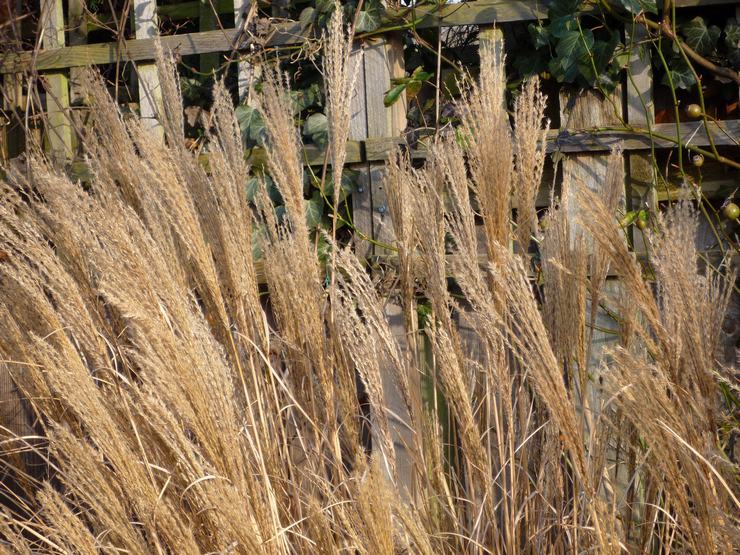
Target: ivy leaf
306, 98
392, 96
368, 20
317, 128
681, 74
572, 56
348, 183
732, 42
603, 51
251, 125
562, 26
253, 184
563, 8
540, 35
732, 34
314, 210
698, 36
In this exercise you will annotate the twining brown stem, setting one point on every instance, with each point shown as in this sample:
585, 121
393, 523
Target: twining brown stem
664, 27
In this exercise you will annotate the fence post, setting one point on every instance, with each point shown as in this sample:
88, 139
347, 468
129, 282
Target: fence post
150, 93
382, 60
59, 130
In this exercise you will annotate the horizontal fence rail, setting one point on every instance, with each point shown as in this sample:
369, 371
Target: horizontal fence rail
480, 12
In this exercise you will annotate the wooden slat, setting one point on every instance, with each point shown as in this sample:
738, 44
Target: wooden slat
188, 10
641, 174
59, 130
377, 149
150, 93
207, 21
246, 72
383, 63
361, 200
77, 36
480, 12
587, 109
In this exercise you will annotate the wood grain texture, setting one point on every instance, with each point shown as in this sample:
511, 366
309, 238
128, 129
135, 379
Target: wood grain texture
150, 93
207, 21
247, 73
361, 198
383, 62
641, 171
583, 110
480, 12
56, 85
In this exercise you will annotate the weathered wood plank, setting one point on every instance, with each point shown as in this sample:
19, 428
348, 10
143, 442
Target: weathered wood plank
244, 10
361, 199
641, 174
480, 12
59, 129
150, 93
383, 63
586, 109
77, 36
207, 21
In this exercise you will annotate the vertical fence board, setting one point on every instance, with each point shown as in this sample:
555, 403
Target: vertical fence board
207, 21
77, 35
641, 190
150, 93
246, 72
59, 131
586, 110
382, 60
361, 198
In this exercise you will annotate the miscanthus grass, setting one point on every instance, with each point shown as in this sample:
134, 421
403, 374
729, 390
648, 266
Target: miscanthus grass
159, 402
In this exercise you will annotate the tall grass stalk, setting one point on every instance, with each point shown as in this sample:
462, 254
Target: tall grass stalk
171, 408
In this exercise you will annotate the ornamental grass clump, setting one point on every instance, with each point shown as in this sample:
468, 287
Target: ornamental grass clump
178, 395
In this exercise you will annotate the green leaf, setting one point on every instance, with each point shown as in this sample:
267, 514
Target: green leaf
251, 125
629, 218
603, 51
368, 20
420, 75
732, 34
572, 56
412, 89
698, 36
309, 97
563, 8
348, 184
561, 26
317, 128
732, 42
392, 96
680, 73
314, 210
540, 35
253, 184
